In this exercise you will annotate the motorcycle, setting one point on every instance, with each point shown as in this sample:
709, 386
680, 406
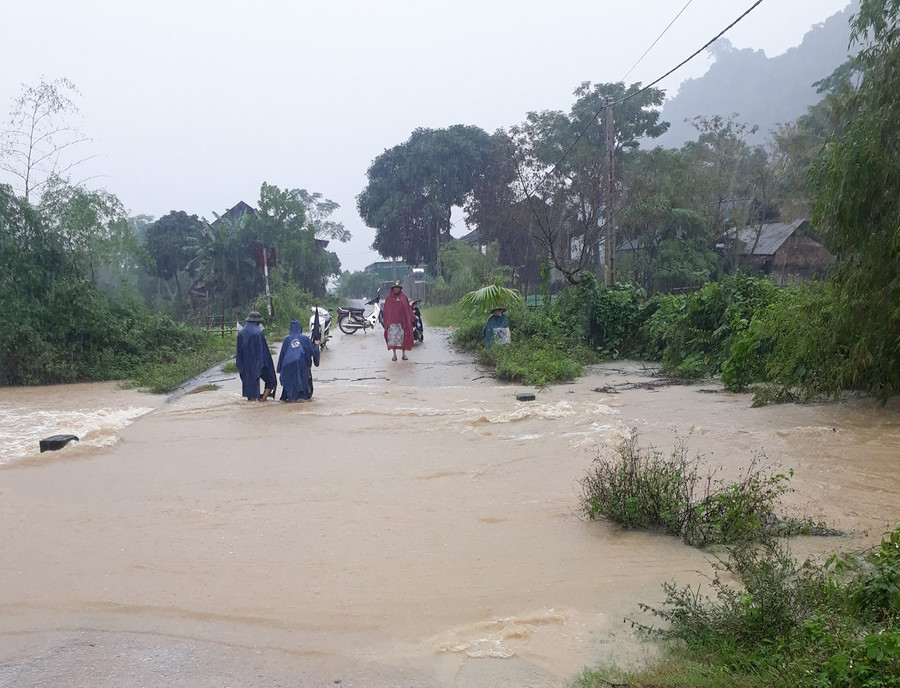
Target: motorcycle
320, 326
352, 319
418, 330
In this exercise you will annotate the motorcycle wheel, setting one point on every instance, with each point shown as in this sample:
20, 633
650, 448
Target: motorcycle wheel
347, 327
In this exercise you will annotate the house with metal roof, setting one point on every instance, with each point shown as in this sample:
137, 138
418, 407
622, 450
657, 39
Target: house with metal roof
786, 252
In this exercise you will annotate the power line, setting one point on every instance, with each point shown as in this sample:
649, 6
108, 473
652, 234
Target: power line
684, 62
656, 41
648, 86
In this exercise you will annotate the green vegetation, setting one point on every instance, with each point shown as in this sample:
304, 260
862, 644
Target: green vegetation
641, 488
165, 370
541, 352
87, 293
781, 342
769, 620
788, 624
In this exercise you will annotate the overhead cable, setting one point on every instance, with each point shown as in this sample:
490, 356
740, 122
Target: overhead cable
648, 86
656, 41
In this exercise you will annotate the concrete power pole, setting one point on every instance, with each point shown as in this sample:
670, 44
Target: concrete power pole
610, 231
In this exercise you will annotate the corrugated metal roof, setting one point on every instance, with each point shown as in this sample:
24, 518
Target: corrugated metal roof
771, 236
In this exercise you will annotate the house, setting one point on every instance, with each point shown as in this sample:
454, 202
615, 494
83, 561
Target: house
785, 252
413, 277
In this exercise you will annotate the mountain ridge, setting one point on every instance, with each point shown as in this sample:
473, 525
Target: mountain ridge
772, 91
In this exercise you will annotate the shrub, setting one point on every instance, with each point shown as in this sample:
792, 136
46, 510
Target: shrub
604, 318
530, 364
777, 622
698, 331
642, 488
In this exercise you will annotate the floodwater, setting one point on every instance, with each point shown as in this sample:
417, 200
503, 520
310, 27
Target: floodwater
413, 525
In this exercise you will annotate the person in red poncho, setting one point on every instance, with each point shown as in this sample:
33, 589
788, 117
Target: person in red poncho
397, 320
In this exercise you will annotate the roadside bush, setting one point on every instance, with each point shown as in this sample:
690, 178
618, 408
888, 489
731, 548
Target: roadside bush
787, 344
698, 333
659, 317
606, 319
531, 364
771, 621
543, 350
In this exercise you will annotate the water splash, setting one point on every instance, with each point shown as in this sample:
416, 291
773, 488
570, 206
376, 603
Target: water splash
22, 427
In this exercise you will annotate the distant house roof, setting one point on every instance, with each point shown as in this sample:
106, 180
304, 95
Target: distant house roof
629, 245
237, 212
388, 270
770, 236
472, 238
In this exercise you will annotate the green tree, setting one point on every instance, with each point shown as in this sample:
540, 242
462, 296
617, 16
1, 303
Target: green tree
358, 285
221, 262
40, 142
413, 188
501, 216
858, 206
560, 170
168, 240
318, 211
464, 268
796, 144
289, 221
92, 224
664, 235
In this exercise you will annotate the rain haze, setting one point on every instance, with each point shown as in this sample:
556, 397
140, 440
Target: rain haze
192, 105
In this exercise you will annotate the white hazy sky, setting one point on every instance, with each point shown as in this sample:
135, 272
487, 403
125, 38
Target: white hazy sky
192, 104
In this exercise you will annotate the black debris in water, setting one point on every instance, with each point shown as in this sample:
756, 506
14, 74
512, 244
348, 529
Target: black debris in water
56, 442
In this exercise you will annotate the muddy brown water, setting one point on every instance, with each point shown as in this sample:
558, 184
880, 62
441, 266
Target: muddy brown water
413, 525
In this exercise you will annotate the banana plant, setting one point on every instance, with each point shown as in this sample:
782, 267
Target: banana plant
490, 297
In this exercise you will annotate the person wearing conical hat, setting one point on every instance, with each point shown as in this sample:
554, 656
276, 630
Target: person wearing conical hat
254, 360
398, 321
496, 329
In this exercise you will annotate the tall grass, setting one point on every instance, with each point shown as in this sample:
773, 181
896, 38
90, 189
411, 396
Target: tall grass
640, 487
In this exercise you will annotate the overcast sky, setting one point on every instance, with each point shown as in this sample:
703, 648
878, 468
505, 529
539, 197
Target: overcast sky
192, 104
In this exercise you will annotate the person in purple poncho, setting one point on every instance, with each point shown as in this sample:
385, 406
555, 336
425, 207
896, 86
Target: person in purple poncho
254, 360
295, 361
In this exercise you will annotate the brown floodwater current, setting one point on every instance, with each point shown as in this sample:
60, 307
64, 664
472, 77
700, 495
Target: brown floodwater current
413, 525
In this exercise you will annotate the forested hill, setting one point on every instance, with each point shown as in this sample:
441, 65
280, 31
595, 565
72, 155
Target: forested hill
764, 91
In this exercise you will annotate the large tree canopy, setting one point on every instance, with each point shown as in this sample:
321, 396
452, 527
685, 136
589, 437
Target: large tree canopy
556, 170
414, 186
168, 241
93, 225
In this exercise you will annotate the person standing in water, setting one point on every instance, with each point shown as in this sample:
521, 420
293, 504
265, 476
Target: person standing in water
254, 360
397, 319
295, 361
496, 329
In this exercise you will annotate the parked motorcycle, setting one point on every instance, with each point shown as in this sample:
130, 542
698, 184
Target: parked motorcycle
320, 326
418, 330
352, 319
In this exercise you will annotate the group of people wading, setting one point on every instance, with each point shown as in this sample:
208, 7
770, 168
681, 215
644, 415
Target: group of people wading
299, 353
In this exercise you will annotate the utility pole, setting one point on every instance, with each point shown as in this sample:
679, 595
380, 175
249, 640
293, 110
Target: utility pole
265, 254
610, 231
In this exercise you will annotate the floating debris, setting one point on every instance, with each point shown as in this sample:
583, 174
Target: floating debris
56, 442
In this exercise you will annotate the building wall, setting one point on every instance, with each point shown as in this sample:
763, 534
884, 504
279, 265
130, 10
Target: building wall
800, 259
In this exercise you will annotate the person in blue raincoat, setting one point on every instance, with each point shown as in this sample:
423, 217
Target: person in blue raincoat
496, 329
295, 361
254, 360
